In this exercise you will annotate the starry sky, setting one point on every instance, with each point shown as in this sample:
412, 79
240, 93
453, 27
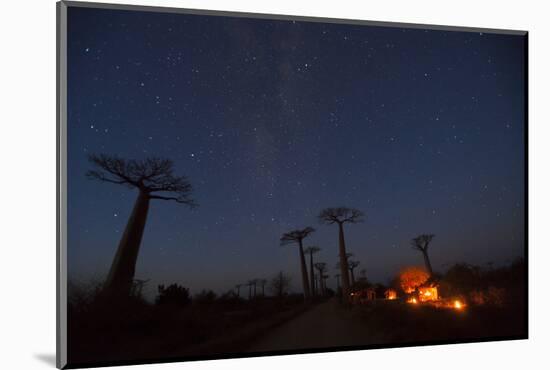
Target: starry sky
272, 121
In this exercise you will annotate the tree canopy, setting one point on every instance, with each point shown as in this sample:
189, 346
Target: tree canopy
150, 176
422, 242
340, 215
295, 236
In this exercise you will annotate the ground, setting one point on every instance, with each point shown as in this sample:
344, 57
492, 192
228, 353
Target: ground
218, 329
326, 325
390, 323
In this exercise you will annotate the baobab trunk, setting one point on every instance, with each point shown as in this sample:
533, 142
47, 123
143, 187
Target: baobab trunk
304, 272
343, 264
427, 263
121, 275
311, 273
352, 274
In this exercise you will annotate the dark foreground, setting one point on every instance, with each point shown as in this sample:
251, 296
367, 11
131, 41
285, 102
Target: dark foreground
140, 332
390, 323
265, 326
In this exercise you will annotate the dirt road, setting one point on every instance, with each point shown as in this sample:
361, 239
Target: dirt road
327, 325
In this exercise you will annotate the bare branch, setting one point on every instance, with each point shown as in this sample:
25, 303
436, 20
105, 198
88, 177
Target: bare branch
150, 175
312, 249
321, 267
111, 165
97, 175
296, 236
191, 203
340, 215
422, 242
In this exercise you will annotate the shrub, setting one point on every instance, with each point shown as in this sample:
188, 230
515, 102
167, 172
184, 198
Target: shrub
174, 294
205, 297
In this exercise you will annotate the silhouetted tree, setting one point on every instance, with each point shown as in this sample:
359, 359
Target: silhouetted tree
250, 284
150, 177
352, 265
262, 283
337, 276
325, 289
137, 288
421, 243
238, 287
341, 216
412, 277
321, 268
205, 297
297, 237
174, 294
254, 284
228, 297
279, 284
348, 256
311, 251
316, 283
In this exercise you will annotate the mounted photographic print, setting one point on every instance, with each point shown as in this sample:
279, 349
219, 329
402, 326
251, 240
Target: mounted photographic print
235, 185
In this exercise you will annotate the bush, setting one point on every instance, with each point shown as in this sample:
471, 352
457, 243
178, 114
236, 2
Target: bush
174, 294
494, 286
205, 297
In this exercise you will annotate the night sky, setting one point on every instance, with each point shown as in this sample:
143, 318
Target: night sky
271, 121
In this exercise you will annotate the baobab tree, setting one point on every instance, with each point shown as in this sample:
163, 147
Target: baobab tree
421, 243
341, 216
352, 265
297, 237
325, 277
250, 284
137, 287
321, 268
262, 283
238, 287
279, 284
151, 177
348, 256
411, 278
315, 284
337, 276
311, 251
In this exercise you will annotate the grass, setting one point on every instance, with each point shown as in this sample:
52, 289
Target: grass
401, 322
142, 331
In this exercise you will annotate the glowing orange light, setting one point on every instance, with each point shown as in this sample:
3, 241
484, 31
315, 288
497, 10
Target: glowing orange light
428, 294
412, 300
412, 277
458, 305
390, 294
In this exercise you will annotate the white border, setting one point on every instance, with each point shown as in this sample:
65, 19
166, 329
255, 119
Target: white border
28, 186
